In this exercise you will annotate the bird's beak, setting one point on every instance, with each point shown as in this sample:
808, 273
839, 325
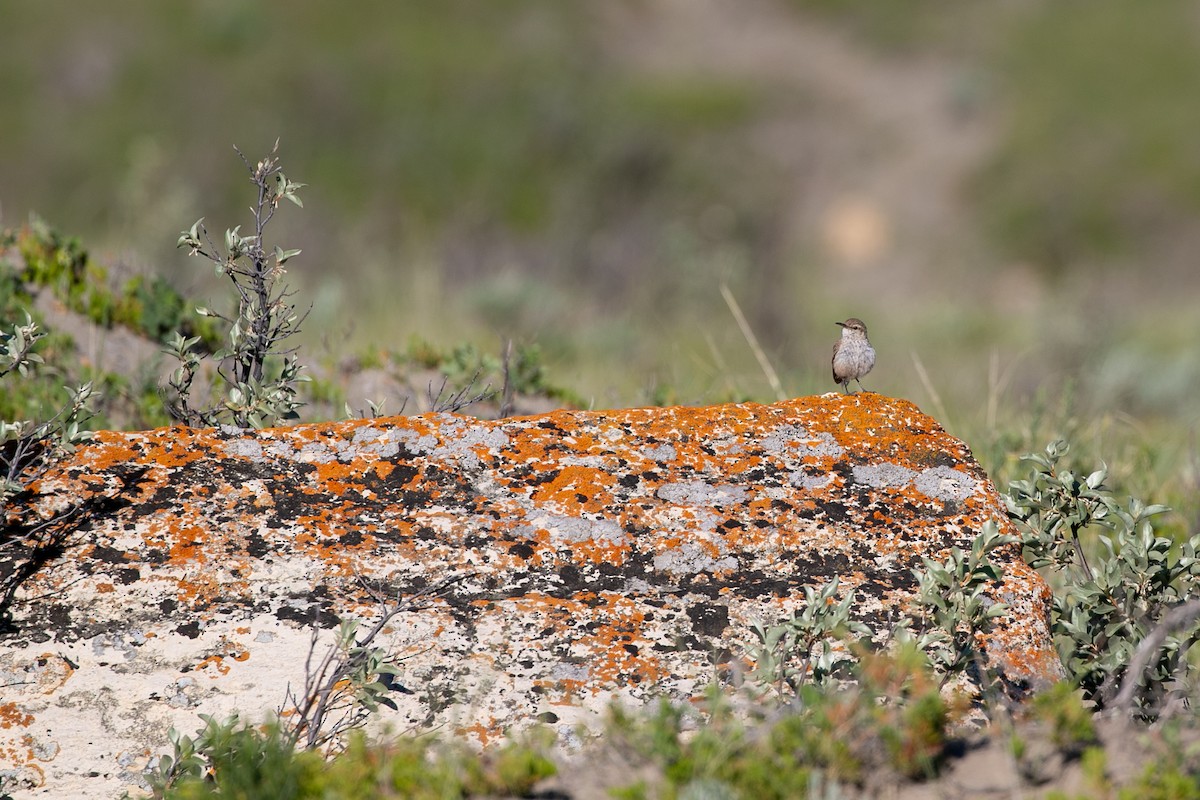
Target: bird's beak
840, 323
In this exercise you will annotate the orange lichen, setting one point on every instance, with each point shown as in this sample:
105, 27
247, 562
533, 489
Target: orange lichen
616, 645
599, 551
188, 545
53, 672
576, 489
216, 662
11, 714
483, 733
589, 551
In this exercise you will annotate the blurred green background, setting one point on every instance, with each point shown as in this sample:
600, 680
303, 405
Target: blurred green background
1008, 193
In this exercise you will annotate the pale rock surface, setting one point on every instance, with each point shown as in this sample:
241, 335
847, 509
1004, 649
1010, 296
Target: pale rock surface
588, 558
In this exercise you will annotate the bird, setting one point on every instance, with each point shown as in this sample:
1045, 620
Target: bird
853, 355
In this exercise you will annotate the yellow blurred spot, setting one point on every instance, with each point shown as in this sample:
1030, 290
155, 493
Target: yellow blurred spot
855, 231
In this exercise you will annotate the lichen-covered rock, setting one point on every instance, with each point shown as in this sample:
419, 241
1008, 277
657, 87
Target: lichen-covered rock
586, 557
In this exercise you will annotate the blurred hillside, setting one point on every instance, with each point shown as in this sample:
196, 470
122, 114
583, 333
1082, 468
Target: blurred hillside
1007, 193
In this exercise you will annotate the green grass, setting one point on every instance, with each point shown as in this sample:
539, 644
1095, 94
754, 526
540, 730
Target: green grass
502, 117
912, 27
478, 174
1098, 159
251, 762
839, 742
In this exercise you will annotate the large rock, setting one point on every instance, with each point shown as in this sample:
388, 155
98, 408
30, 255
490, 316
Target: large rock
582, 558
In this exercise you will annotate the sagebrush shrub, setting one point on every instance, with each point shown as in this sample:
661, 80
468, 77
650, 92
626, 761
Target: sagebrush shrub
257, 374
1109, 602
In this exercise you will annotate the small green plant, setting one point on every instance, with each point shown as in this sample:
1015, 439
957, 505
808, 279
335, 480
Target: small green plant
903, 704
953, 615
463, 365
29, 447
342, 687
349, 682
520, 370
257, 374
1054, 502
1159, 783
800, 650
191, 756
229, 760
954, 612
890, 721
1072, 728
1141, 586
694, 747
512, 769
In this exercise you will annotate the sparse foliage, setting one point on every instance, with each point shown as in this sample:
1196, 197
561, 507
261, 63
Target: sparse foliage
373, 410
229, 759
1102, 614
954, 611
258, 375
350, 680
456, 400
191, 755
28, 447
891, 720
801, 650
342, 688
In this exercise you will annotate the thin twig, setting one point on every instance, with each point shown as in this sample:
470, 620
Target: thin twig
1178, 617
506, 394
1087, 568
934, 397
325, 692
457, 400
748, 334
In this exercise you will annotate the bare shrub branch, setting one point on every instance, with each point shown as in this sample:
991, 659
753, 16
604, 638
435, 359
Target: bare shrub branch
351, 678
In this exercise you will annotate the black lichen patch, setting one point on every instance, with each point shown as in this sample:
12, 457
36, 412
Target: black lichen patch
543, 476
572, 579
126, 576
814, 562
710, 619
414, 498
109, 555
836, 512
401, 475
476, 542
756, 583
290, 501
257, 546
189, 629
306, 617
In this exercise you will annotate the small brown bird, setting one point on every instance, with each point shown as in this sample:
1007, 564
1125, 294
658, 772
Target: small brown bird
853, 355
